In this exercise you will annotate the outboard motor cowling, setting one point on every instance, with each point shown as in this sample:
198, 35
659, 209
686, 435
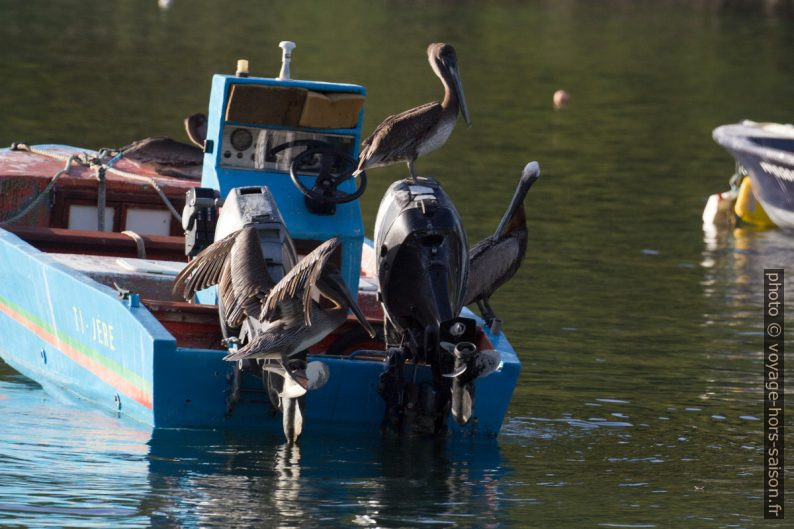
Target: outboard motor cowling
423, 255
199, 218
255, 206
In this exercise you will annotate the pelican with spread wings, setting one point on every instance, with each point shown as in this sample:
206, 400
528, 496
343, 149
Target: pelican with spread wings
297, 317
284, 319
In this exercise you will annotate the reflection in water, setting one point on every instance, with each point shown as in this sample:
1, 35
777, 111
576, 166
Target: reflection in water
733, 262
63, 464
287, 485
243, 479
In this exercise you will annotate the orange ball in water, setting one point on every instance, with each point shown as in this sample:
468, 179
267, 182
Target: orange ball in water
561, 98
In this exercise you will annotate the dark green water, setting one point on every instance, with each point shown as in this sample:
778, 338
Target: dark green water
641, 335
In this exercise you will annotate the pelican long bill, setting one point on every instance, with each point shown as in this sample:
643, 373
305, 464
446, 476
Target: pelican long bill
335, 287
458, 87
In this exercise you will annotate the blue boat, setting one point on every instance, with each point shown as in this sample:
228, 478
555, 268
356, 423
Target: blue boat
89, 256
764, 152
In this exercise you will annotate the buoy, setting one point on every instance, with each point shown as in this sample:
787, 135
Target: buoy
561, 98
719, 207
749, 210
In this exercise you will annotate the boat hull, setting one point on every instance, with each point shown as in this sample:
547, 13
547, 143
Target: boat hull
766, 153
68, 332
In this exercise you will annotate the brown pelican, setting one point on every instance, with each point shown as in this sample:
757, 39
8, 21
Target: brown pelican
236, 265
196, 128
165, 156
495, 259
406, 136
294, 321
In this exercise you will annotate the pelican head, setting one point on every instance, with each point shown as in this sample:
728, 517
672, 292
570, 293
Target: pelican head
529, 175
196, 128
444, 62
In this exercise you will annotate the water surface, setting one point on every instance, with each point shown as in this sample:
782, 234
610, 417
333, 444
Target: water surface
640, 396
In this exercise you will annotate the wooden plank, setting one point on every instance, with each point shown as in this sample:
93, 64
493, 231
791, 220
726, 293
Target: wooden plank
164, 247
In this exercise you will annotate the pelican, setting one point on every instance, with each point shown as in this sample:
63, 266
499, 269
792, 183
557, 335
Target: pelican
196, 128
294, 321
495, 259
165, 156
406, 136
236, 265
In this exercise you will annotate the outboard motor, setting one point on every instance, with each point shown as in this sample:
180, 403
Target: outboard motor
255, 206
422, 265
423, 257
199, 218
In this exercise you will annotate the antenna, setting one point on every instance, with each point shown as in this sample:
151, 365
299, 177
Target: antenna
286, 58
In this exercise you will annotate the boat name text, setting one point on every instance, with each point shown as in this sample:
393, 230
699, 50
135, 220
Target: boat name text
781, 172
101, 331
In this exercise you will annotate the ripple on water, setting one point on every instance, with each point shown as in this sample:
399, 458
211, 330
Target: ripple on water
602, 306
62, 462
638, 525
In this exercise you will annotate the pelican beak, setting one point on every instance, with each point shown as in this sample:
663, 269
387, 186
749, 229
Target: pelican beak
462, 403
362, 319
458, 85
338, 285
529, 176
292, 419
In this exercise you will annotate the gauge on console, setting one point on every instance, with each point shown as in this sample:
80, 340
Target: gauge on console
241, 139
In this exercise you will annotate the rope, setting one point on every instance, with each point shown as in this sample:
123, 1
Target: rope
113, 160
88, 160
33, 203
138, 242
738, 175
151, 181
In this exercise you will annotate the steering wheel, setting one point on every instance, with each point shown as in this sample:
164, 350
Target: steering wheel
336, 167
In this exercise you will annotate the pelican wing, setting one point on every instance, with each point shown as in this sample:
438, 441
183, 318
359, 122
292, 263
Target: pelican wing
300, 281
268, 345
250, 278
205, 269
226, 291
491, 263
398, 135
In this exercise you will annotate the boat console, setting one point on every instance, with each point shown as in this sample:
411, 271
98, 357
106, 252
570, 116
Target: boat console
300, 139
